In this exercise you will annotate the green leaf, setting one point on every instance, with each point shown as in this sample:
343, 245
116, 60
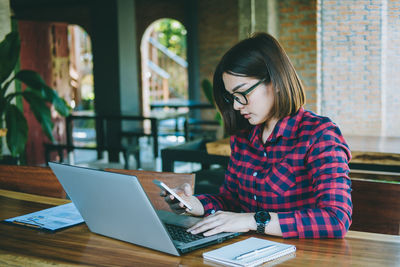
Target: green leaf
9, 53
218, 118
41, 112
59, 103
35, 82
208, 90
17, 130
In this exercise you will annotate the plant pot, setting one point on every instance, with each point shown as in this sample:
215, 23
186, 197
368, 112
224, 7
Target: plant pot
8, 160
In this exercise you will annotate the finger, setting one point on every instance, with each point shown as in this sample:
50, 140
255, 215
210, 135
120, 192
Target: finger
206, 227
206, 220
177, 207
163, 193
214, 231
170, 199
187, 189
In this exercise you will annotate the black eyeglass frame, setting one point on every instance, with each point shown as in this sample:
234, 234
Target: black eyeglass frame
229, 98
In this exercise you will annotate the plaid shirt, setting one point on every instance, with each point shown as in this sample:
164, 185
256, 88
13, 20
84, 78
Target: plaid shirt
300, 172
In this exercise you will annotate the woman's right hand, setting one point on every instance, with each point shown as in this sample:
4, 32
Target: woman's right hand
186, 193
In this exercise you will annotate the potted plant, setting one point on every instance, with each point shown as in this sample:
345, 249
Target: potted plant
37, 94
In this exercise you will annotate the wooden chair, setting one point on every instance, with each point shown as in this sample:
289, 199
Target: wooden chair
153, 192
33, 180
376, 206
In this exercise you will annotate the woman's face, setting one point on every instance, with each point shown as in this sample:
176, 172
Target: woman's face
260, 100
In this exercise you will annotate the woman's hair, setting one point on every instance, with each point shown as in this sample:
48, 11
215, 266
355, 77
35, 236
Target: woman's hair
260, 56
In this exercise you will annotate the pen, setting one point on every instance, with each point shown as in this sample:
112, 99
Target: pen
254, 252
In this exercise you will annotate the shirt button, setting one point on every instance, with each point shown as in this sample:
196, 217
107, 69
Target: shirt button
255, 174
265, 154
255, 197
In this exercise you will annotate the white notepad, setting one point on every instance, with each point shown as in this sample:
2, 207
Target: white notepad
250, 252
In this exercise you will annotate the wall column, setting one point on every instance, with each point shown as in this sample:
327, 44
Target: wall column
257, 16
130, 94
106, 71
191, 21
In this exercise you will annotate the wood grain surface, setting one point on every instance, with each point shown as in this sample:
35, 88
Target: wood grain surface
21, 246
29, 179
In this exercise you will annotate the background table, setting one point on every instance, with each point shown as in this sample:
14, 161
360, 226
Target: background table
20, 246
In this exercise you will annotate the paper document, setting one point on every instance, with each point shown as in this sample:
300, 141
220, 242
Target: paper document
51, 219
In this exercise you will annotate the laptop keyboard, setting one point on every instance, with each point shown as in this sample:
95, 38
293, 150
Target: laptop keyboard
179, 233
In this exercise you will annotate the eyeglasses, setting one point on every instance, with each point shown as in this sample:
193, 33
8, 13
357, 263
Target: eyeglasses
240, 97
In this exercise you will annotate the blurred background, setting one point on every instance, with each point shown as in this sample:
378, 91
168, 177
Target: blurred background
119, 57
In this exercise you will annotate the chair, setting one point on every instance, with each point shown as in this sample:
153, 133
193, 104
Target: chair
376, 206
153, 192
33, 180
193, 151
209, 181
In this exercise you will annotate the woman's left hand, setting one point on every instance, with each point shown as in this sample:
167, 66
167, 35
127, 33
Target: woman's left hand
224, 221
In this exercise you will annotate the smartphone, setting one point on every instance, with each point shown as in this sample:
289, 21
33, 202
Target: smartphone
169, 190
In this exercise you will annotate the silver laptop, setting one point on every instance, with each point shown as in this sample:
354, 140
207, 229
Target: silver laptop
115, 205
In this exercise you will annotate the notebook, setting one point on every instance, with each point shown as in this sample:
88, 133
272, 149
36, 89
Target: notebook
115, 205
249, 252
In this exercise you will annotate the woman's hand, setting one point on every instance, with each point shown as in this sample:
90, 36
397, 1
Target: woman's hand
223, 221
185, 192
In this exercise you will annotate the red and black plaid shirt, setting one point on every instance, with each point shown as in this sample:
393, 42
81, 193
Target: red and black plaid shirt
301, 172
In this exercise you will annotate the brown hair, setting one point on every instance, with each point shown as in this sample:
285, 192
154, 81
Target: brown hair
260, 56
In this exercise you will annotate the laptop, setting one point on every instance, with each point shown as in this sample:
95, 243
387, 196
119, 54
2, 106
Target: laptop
115, 205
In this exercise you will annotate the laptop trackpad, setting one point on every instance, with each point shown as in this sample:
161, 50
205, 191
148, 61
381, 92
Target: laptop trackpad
180, 220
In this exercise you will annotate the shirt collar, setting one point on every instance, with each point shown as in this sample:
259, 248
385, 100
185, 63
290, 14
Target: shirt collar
286, 127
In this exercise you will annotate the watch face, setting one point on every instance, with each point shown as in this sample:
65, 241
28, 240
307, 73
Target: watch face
262, 217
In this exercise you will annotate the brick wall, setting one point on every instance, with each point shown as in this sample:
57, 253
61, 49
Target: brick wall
297, 34
392, 70
352, 78
218, 31
359, 57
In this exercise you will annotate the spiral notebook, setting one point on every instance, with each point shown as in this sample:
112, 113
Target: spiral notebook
250, 252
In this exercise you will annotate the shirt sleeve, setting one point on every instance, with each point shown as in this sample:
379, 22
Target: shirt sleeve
327, 164
227, 199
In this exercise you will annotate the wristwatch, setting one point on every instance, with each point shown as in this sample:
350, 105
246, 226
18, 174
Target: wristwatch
262, 219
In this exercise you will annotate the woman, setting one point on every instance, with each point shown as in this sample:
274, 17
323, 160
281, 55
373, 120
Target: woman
288, 171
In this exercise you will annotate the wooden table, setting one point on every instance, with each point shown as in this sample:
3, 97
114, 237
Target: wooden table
21, 246
365, 150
